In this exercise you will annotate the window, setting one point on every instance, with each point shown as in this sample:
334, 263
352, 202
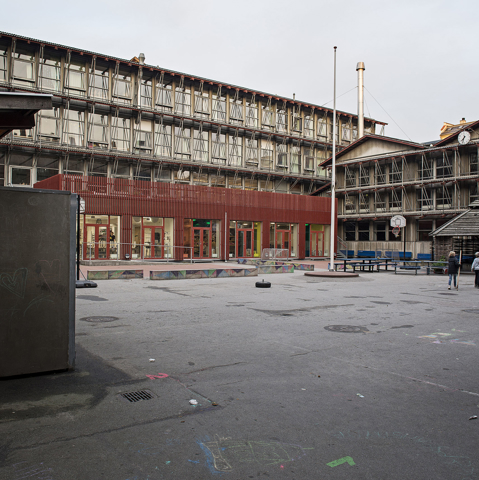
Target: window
26, 134
424, 228
163, 99
251, 151
267, 116
143, 172
20, 176
49, 75
331, 133
444, 165
251, 114
74, 166
425, 199
121, 132
266, 155
236, 111
200, 146
3, 70
75, 79
350, 174
122, 171
323, 128
281, 155
295, 189
219, 108
473, 163
182, 176
395, 172
380, 231
380, 202
309, 159
146, 89
98, 135
98, 168
182, 143
444, 197
24, 69
200, 178
235, 151
235, 182
295, 166
143, 134
395, 200
379, 173
100, 80
350, 202
250, 184
346, 133
363, 231
48, 125
426, 169
266, 185
363, 203
202, 104
281, 120
46, 168
363, 175
219, 149
350, 231
73, 128
162, 140
218, 181
183, 101
309, 126
296, 123
122, 89
473, 193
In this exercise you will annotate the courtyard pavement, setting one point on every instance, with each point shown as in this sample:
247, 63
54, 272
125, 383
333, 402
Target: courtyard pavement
373, 377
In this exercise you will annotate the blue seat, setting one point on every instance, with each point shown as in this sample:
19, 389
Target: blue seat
366, 253
424, 256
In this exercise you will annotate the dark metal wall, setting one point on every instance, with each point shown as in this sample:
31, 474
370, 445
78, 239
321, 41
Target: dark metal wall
37, 281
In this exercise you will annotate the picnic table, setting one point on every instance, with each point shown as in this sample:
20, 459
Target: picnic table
371, 264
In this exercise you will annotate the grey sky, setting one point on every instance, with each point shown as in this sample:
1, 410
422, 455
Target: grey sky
419, 55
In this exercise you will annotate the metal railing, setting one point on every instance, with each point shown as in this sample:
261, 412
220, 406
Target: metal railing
103, 250
275, 254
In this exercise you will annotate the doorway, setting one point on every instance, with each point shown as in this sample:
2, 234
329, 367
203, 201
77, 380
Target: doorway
153, 242
317, 244
96, 245
201, 242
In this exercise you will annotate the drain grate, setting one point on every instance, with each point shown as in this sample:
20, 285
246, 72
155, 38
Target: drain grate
98, 319
346, 329
137, 396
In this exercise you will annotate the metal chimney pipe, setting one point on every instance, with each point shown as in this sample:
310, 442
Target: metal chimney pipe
360, 69
142, 58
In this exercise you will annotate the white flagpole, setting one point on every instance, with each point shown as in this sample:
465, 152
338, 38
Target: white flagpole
333, 177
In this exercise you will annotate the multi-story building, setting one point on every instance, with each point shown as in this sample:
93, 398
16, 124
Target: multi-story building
161, 156
428, 184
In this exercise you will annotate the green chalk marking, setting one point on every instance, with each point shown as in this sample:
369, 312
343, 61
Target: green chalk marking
335, 463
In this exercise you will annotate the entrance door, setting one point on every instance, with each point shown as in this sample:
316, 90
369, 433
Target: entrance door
201, 243
317, 244
153, 242
282, 240
96, 245
245, 243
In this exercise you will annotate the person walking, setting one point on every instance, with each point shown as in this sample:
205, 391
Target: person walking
452, 269
475, 269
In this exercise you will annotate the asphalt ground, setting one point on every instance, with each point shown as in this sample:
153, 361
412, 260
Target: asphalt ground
372, 377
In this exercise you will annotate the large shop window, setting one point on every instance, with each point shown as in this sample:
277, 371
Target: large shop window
202, 238
100, 237
284, 236
152, 238
245, 239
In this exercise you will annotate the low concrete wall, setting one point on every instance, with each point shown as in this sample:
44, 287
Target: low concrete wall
209, 273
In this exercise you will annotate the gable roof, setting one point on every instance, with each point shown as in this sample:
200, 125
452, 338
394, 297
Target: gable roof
464, 224
369, 137
456, 132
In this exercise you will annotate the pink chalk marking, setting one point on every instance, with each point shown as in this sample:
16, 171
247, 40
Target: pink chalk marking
160, 375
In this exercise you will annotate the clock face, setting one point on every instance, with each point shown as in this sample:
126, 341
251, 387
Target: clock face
464, 138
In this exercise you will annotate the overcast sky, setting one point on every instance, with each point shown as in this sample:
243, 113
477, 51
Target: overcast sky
420, 55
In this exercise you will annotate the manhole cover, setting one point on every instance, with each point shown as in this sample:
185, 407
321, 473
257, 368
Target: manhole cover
346, 329
137, 396
98, 319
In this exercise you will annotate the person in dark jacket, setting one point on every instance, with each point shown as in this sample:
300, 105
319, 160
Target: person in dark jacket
475, 269
452, 269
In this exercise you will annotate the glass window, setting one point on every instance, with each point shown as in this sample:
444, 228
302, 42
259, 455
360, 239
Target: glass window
143, 172
251, 114
444, 165
74, 166
295, 189
219, 108
281, 120
323, 128
120, 134
309, 126
350, 203
202, 104
426, 168
236, 111
364, 175
48, 125
309, 159
122, 89
98, 135
346, 133
74, 128
98, 168
200, 178
296, 123
143, 137
50, 72
395, 200
218, 181
20, 176
424, 228
295, 166
364, 202
163, 100
281, 155
380, 231
473, 193
444, 196
75, 79
183, 101
219, 149
182, 142
146, 88
250, 184
235, 182
395, 172
162, 140
350, 174
363, 231
425, 199
473, 163
3, 67
46, 168
200, 146
267, 116
266, 159
235, 151
24, 68
181, 176
251, 151
100, 79
122, 171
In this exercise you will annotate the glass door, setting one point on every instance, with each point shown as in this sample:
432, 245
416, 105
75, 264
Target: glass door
282, 240
245, 243
96, 245
152, 242
201, 243
317, 244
